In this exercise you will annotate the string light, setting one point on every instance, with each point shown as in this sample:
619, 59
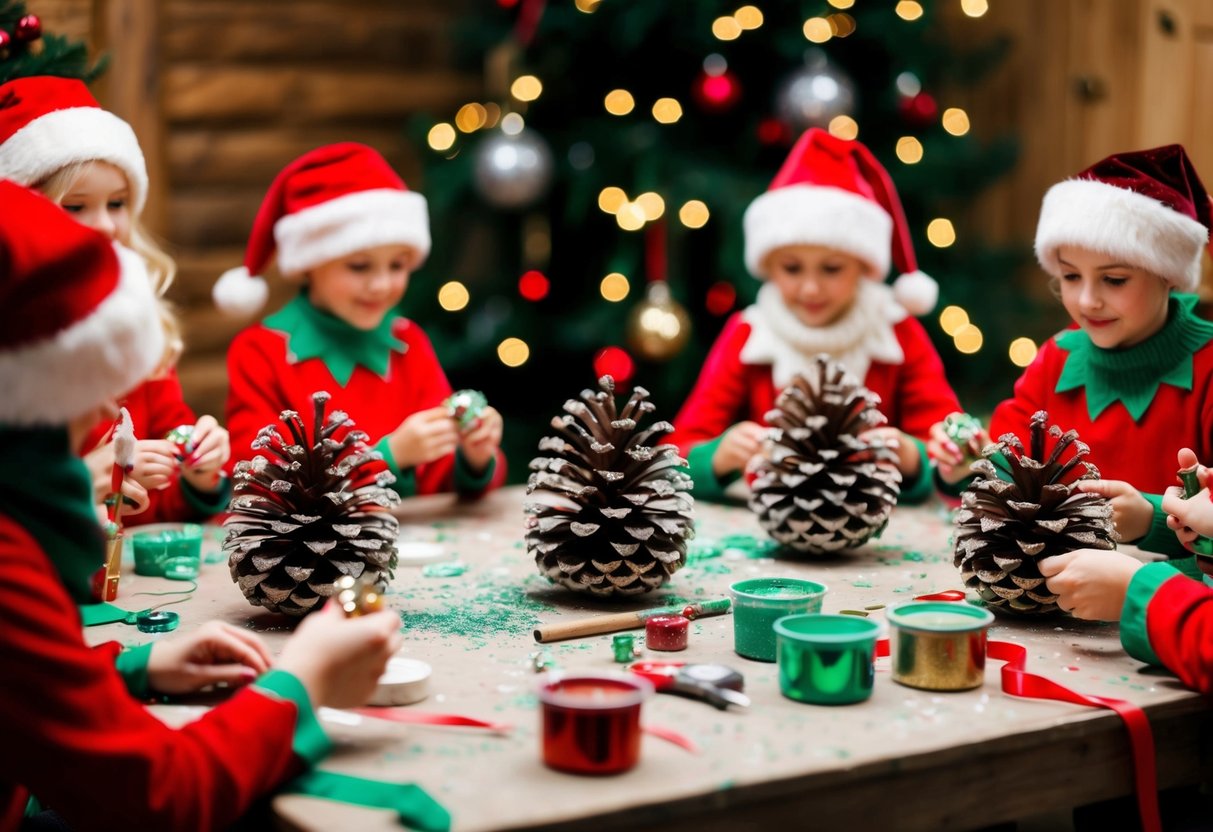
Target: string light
908, 84
587, 6
630, 216
968, 339
909, 150
512, 124
844, 127
619, 102
471, 117
909, 10
817, 30
955, 121
492, 113
513, 352
614, 362
694, 214
842, 4
441, 136
952, 318
453, 296
726, 28
611, 198
720, 298
526, 88
748, 17
841, 25
652, 206
533, 286
940, 232
614, 287
667, 110
975, 8
1022, 350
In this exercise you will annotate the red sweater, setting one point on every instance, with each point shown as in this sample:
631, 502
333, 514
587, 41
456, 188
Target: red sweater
1168, 620
156, 407
77, 740
264, 381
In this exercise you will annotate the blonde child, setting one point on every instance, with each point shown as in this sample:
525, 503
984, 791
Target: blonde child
78, 326
56, 139
346, 228
821, 238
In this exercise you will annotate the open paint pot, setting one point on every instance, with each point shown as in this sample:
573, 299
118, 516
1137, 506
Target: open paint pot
826, 659
168, 551
759, 602
591, 722
938, 645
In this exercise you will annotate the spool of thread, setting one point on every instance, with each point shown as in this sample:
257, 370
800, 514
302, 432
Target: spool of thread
157, 621
403, 682
623, 645
666, 632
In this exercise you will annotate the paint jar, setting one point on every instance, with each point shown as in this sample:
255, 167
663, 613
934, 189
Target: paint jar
759, 602
938, 645
826, 659
174, 552
591, 722
666, 632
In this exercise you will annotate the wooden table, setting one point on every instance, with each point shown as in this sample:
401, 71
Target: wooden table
906, 759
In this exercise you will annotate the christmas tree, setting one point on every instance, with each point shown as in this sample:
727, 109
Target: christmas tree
25, 51
587, 214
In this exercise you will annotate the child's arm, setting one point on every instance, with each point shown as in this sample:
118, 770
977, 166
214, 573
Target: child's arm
1168, 619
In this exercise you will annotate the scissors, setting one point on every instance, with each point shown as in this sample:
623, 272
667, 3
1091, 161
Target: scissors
715, 684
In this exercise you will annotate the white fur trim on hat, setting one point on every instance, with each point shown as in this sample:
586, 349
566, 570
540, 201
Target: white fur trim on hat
916, 291
239, 293
1123, 224
77, 134
102, 356
356, 221
817, 216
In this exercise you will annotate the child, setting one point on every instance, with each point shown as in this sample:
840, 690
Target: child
78, 326
346, 227
821, 237
1134, 376
56, 139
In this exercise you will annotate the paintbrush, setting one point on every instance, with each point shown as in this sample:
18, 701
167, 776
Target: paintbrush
105, 584
614, 622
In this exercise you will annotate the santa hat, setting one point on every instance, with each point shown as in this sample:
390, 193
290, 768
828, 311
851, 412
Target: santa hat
1147, 208
328, 203
78, 320
49, 123
832, 192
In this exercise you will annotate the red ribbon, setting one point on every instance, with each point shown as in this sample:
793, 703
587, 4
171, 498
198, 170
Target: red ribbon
672, 736
946, 595
409, 717
1018, 682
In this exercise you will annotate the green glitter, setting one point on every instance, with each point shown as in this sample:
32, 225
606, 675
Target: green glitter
913, 556
493, 610
716, 569
861, 584
444, 570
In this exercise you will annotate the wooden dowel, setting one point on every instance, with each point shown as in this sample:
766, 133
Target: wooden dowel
597, 625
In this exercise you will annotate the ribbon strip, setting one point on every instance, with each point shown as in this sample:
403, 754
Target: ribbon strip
414, 806
410, 717
946, 595
1016, 681
671, 736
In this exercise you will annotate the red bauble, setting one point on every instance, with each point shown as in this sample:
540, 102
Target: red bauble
614, 362
533, 286
721, 297
918, 110
6, 41
716, 93
28, 29
772, 131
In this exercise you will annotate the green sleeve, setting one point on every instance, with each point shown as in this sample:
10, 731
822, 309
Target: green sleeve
699, 463
309, 741
1159, 538
918, 489
207, 503
468, 481
406, 481
131, 664
1134, 635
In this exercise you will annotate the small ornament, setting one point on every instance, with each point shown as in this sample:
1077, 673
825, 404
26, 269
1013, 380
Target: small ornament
623, 646
512, 171
357, 596
918, 111
773, 131
716, 92
181, 436
821, 488
815, 94
309, 510
466, 407
658, 328
614, 362
961, 428
1011, 519
608, 509
6, 40
666, 632
28, 29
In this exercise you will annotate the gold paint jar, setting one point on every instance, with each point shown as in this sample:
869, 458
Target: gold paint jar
938, 645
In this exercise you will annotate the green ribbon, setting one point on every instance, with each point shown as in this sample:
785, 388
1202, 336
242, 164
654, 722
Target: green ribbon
312, 333
93, 615
414, 806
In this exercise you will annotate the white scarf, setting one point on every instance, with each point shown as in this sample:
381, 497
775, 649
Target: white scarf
862, 335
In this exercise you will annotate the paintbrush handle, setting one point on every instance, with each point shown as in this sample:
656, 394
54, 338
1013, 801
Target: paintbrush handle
597, 625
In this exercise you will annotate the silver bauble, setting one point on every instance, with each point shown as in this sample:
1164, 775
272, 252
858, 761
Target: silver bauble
513, 171
815, 94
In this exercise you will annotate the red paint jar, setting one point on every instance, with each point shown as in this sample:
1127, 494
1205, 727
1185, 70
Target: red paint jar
666, 632
591, 723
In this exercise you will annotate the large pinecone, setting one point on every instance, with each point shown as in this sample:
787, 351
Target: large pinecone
609, 510
820, 488
307, 512
1031, 509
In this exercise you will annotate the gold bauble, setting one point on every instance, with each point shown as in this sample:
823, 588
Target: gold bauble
658, 328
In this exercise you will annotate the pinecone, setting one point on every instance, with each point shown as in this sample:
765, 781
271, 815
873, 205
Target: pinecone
1009, 520
309, 514
820, 488
610, 512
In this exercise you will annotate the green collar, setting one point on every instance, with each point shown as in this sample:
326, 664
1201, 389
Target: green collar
1132, 376
46, 488
312, 333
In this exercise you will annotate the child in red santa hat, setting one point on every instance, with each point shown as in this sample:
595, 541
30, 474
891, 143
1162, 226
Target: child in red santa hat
345, 228
56, 139
78, 327
822, 238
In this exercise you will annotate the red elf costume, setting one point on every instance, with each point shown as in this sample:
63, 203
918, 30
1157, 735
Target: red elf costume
325, 205
830, 192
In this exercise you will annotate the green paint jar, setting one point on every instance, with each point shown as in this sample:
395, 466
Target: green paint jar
174, 553
759, 602
826, 659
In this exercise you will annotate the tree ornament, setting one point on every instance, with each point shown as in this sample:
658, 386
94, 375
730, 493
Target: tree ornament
773, 131
815, 94
28, 29
6, 41
919, 110
307, 512
609, 511
716, 92
658, 327
820, 488
512, 170
1031, 509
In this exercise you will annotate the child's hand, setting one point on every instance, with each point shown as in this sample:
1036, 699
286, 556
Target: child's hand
1091, 583
339, 660
1188, 518
423, 437
1131, 512
100, 463
208, 450
155, 463
215, 652
909, 463
480, 444
949, 456
740, 444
